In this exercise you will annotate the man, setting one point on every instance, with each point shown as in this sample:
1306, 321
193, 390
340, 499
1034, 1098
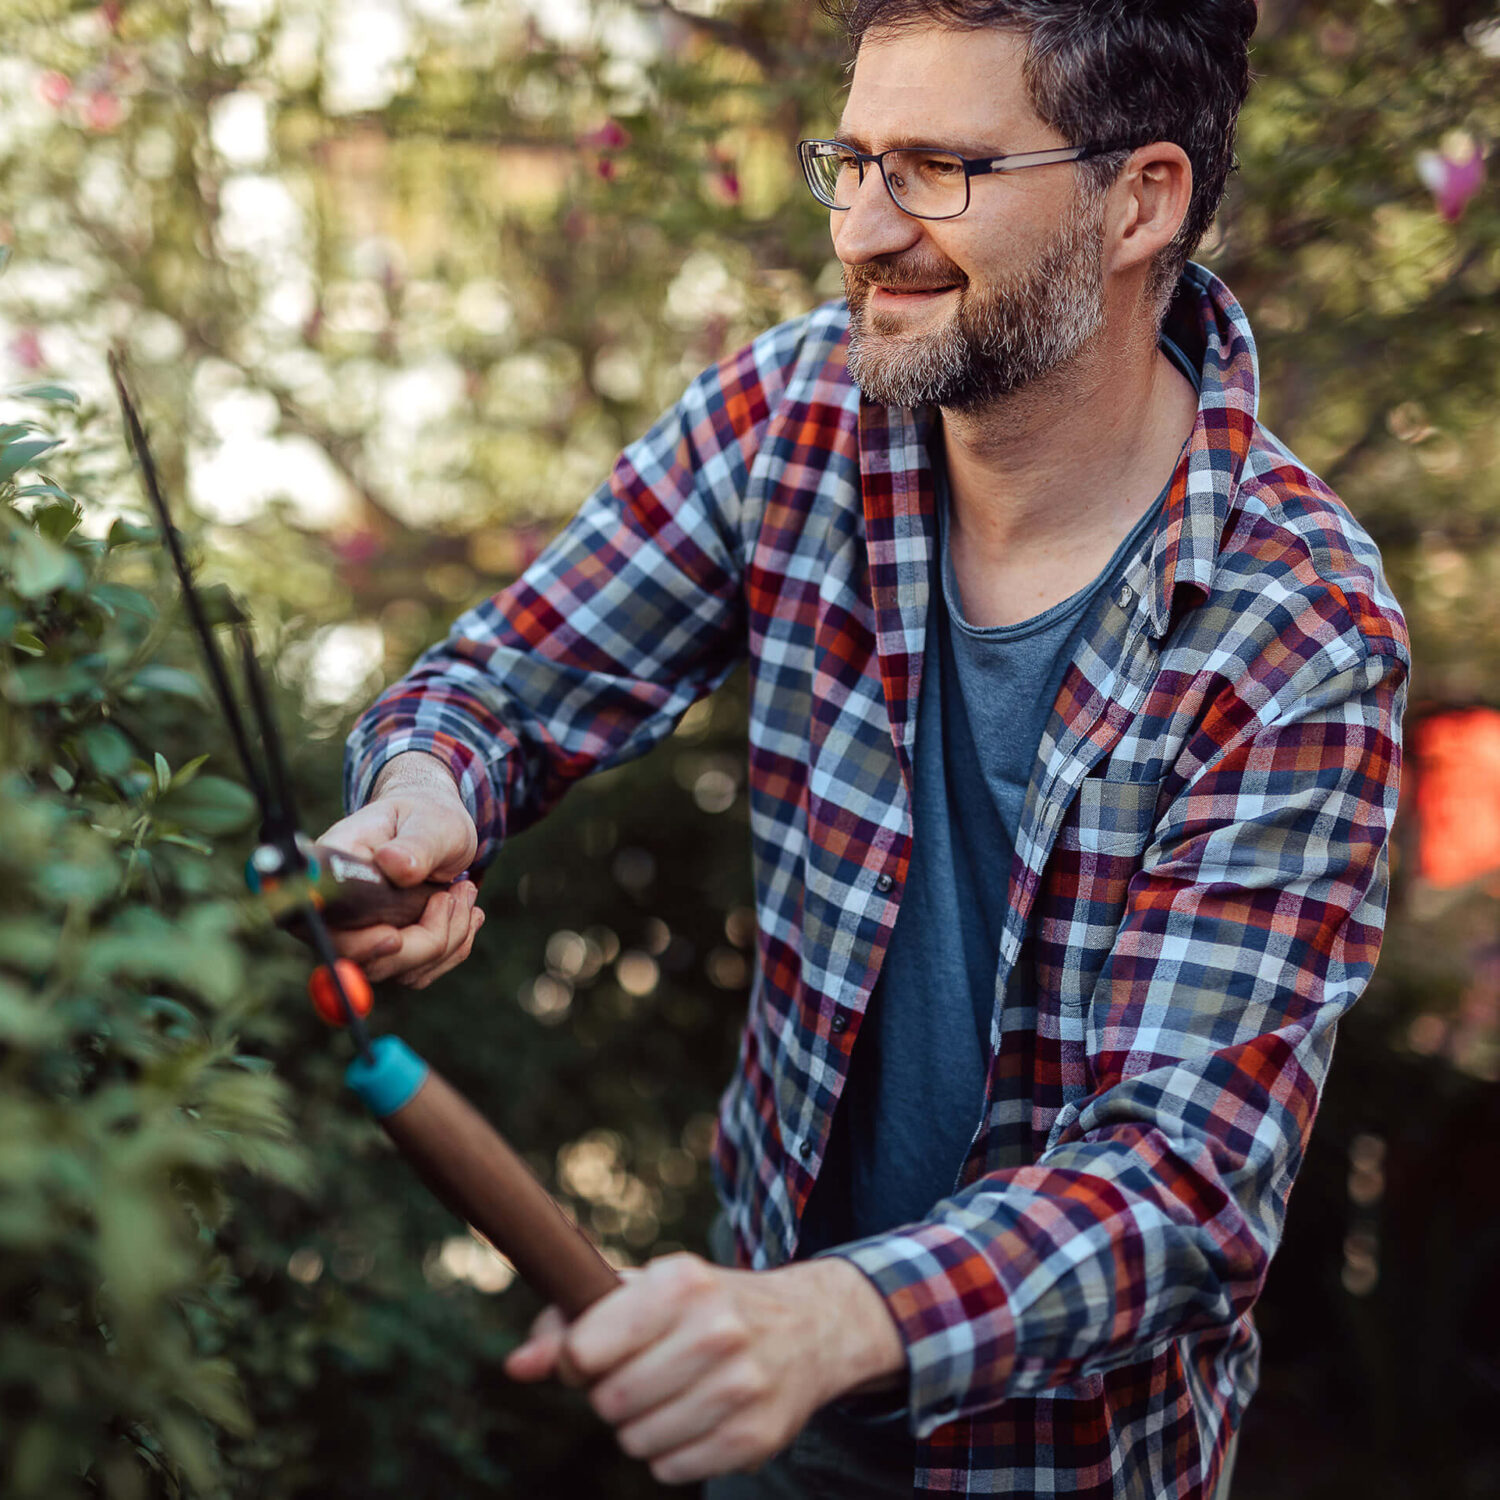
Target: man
1073, 751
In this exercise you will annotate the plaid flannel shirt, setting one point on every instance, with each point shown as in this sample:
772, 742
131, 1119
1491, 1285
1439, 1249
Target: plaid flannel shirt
1197, 893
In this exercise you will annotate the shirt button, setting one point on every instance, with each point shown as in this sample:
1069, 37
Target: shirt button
840, 1022
1125, 597
805, 1150
884, 883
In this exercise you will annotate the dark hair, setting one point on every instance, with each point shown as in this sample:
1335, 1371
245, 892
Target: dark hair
1114, 70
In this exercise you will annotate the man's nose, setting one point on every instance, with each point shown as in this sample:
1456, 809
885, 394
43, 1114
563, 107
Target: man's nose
873, 227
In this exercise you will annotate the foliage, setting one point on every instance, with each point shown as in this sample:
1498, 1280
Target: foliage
399, 279
130, 1111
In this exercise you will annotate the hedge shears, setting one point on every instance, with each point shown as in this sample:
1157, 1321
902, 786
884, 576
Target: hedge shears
309, 888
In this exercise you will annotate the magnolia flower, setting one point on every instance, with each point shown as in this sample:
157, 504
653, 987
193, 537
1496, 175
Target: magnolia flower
1452, 174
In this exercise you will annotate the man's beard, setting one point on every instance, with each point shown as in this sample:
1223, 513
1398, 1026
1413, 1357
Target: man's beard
997, 339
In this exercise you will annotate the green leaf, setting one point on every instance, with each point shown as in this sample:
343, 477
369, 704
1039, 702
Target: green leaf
106, 749
209, 804
62, 778
23, 640
23, 454
59, 521
173, 680
124, 533
188, 770
119, 598
49, 682
47, 392
184, 841
187, 1441
39, 566
24, 1021
220, 606
163, 772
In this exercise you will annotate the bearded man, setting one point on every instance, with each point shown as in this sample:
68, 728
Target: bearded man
1074, 715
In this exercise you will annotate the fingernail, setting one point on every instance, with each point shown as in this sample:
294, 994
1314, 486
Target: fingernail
390, 945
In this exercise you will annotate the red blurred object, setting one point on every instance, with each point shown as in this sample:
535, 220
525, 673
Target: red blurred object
1457, 757
55, 88
610, 136
1453, 175
26, 349
103, 112
325, 998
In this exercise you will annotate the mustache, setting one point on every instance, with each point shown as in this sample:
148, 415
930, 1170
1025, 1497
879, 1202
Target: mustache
902, 278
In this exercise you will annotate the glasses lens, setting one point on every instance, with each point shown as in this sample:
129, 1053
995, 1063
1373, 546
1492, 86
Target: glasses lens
832, 173
930, 184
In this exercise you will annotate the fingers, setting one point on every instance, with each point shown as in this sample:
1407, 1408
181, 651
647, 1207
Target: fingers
640, 1313
537, 1358
465, 937
365, 831
433, 945
434, 839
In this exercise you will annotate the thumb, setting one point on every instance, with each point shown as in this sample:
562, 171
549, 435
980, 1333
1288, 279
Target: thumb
542, 1353
430, 842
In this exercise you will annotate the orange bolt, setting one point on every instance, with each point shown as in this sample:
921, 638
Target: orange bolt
325, 997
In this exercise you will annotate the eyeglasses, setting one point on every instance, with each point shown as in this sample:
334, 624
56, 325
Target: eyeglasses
923, 181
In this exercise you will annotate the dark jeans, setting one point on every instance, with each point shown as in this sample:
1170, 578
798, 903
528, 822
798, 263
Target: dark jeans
836, 1458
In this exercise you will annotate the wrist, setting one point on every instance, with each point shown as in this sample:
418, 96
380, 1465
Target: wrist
858, 1346
415, 770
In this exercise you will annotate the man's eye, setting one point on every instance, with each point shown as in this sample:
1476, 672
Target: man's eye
940, 166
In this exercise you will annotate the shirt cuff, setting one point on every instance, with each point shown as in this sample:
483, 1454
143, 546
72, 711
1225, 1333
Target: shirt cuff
951, 1312
464, 764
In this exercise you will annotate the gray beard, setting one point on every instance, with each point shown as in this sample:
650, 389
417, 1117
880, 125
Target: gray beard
996, 341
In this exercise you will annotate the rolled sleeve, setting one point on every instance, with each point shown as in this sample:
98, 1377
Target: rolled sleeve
631, 614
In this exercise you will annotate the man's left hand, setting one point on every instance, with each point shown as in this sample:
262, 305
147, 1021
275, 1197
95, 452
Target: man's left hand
705, 1371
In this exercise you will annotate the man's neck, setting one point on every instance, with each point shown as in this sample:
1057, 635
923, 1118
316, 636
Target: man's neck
1046, 482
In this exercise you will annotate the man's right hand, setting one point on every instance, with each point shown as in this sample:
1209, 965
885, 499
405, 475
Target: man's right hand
414, 828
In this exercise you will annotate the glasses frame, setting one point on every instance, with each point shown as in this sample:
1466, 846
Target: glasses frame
974, 166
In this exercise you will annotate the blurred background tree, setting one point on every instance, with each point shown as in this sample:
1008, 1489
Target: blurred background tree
399, 278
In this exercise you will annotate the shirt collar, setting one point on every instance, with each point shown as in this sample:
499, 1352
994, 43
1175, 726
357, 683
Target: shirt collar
1211, 328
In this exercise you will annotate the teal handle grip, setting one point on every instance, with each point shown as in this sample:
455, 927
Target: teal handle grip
389, 1079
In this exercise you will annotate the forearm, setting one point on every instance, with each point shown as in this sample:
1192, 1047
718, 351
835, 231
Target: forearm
416, 771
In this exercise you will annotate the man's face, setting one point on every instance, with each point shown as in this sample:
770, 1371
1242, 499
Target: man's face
958, 312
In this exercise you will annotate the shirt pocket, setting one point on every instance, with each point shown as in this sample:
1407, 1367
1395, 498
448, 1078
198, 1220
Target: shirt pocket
1114, 817
1100, 849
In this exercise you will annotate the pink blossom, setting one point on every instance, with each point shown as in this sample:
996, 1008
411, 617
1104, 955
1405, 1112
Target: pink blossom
1453, 175
26, 349
103, 112
610, 136
606, 168
356, 548
55, 88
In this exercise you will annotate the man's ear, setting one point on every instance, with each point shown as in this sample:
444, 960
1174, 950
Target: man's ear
1151, 198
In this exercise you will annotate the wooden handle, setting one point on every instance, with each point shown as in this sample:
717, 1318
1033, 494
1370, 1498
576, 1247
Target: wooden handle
354, 893
467, 1163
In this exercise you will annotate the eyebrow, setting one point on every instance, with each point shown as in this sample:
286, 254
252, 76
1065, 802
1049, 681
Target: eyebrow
906, 142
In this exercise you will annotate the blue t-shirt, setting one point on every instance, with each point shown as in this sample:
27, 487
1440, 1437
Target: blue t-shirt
912, 1103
